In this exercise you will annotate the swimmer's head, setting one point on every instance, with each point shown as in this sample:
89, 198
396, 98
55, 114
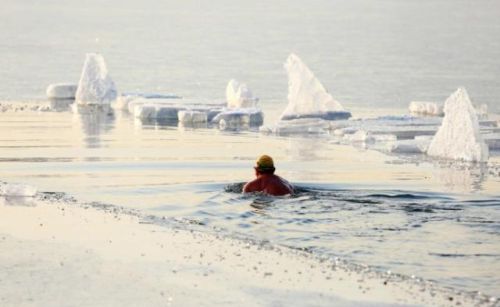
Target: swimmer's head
265, 165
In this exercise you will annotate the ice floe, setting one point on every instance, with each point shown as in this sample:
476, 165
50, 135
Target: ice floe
459, 137
233, 119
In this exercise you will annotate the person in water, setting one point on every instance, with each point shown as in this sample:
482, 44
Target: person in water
267, 181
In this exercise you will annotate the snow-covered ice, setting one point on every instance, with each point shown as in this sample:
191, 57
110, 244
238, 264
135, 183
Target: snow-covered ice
306, 94
459, 136
238, 95
96, 86
310, 106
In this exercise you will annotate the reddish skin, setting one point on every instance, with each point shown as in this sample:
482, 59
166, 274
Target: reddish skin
268, 183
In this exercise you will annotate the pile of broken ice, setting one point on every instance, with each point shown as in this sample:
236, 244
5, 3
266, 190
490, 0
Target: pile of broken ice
458, 136
240, 110
174, 110
464, 133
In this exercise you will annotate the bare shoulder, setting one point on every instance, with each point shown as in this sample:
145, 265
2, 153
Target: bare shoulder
252, 186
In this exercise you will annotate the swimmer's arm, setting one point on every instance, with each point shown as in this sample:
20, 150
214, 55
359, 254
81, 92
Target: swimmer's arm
252, 186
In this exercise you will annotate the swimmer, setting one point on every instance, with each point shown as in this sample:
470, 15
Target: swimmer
267, 181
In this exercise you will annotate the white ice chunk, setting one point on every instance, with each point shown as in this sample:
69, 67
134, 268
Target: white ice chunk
17, 189
62, 90
306, 94
425, 108
459, 137
95, 86
238, 95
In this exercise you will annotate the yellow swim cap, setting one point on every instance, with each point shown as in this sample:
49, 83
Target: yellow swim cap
265, 162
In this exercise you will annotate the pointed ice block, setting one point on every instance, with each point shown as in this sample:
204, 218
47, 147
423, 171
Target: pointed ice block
306, 94
238, 95
458, 137
95, 86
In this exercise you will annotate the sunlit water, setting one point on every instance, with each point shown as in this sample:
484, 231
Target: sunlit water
390, 212
406, 214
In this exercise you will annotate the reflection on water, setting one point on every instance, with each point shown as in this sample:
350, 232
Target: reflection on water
93, 125
463, 178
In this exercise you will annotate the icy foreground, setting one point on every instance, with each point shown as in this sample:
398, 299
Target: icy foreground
59, 252
96, 86
306, 95
459, 136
